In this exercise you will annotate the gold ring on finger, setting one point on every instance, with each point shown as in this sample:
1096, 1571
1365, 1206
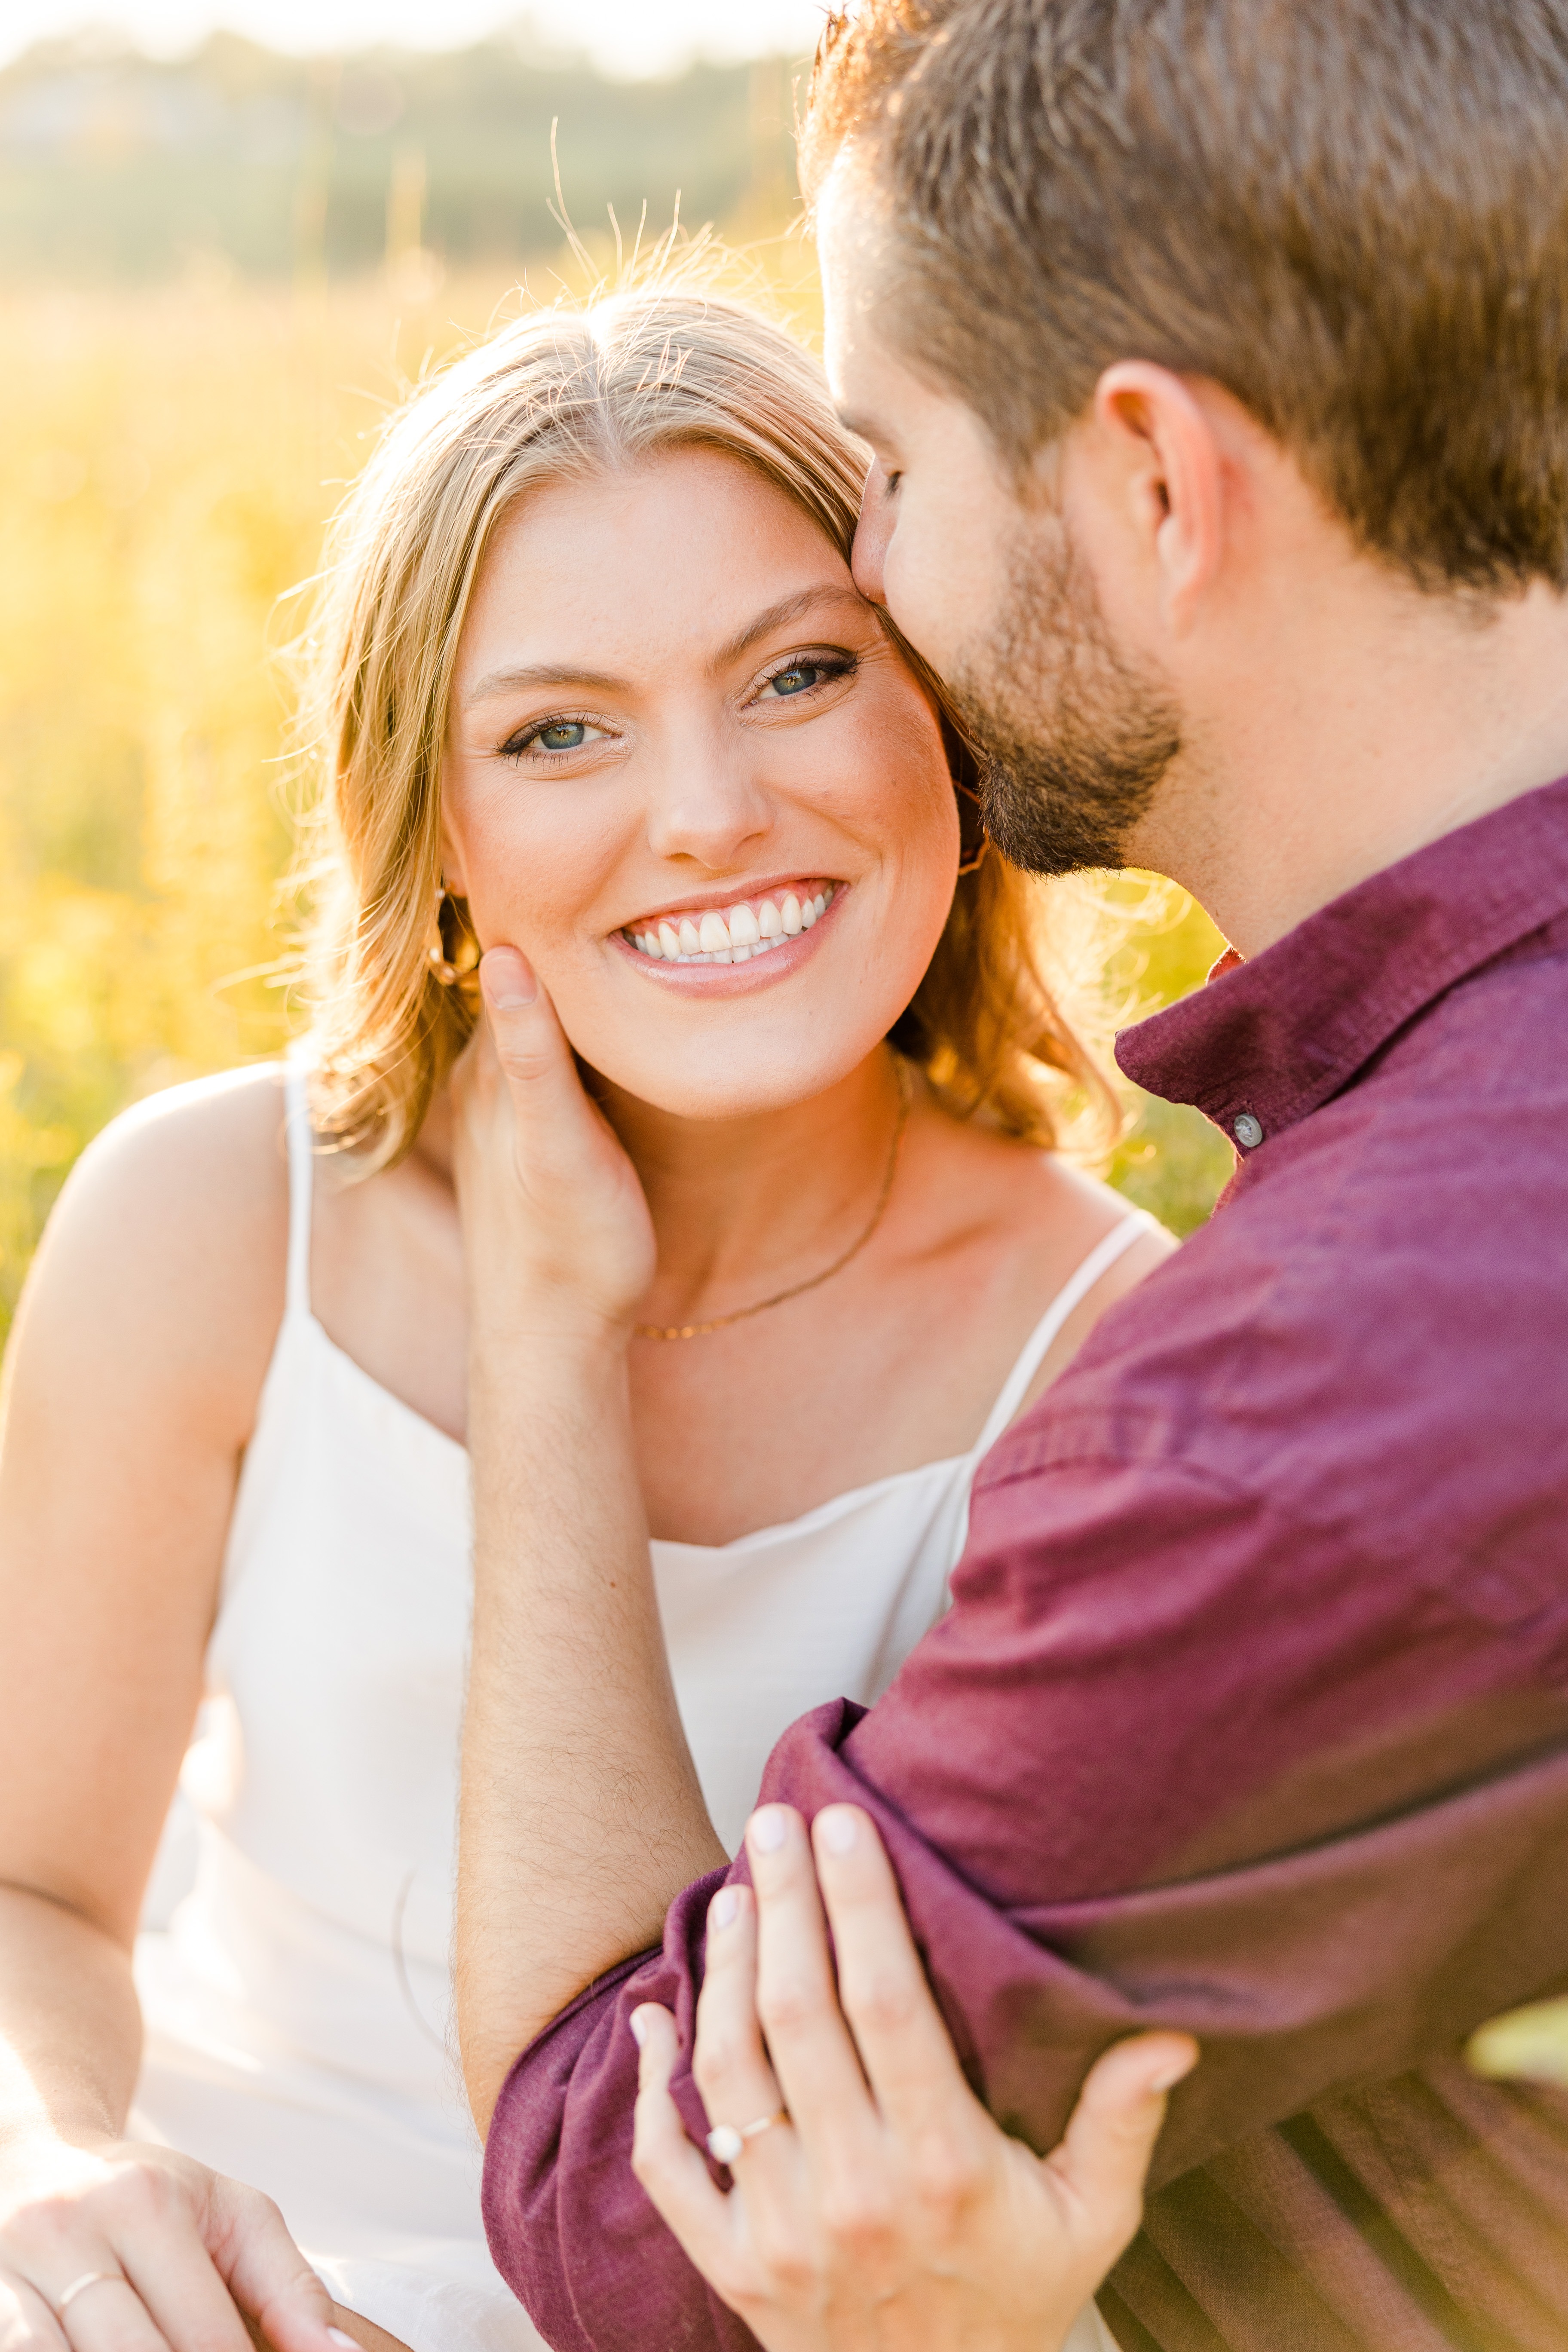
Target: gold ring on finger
79, 2286
725, 2141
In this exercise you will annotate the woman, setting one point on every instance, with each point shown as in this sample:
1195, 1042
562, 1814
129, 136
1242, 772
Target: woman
590, 675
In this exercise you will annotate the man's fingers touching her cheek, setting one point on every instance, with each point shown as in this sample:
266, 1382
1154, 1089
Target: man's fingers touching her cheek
529, 1043
510, 983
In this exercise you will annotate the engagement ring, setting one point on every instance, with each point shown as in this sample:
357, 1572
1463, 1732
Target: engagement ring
725, 2141
79, 2286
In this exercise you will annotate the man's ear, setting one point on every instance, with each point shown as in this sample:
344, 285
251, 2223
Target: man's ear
1166, 443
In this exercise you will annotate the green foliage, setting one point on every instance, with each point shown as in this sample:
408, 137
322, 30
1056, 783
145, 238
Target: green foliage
1170, 1161
1530, 2043
115, 166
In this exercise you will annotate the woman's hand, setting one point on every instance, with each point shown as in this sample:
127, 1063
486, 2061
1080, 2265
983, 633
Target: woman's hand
555, 1226
181, 2258
888, 2213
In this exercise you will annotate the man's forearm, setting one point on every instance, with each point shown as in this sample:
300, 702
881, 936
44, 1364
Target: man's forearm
1256, 1963
582, 1817
1043, 1780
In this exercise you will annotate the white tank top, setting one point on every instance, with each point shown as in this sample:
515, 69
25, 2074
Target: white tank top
298, 2006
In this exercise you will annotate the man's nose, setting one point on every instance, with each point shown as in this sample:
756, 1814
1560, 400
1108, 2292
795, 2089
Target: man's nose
872, 533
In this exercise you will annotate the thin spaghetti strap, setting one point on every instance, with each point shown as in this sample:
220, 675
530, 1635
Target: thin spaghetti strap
301, 1184
1077, 1285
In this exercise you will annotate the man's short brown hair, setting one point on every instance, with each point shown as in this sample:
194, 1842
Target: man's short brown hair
1353, 213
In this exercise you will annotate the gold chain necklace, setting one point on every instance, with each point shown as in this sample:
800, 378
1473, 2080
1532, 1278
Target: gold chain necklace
814, 1282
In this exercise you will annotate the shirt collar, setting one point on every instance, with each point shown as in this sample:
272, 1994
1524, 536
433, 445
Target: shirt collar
1270, 1040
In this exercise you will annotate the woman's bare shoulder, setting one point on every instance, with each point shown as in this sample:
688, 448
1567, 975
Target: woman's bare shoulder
1038, 1202
1085, 1212
167, 1246
1025, 1220
197, 1167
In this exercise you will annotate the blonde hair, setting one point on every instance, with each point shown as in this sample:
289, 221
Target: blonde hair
554, 395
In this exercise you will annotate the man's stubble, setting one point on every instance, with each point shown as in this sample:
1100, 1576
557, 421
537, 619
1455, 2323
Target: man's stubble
1075, 738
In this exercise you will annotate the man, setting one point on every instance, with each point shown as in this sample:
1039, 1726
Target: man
1212, 356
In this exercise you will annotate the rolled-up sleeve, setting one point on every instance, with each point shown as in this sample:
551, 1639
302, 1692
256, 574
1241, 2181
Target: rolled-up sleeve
1169, 1759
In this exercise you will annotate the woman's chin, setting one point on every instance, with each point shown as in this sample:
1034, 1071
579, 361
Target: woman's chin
734, 1058
715, 1094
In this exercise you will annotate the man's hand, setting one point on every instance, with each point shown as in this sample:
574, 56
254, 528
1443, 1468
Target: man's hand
581, 1816
556, 1231
882, 2209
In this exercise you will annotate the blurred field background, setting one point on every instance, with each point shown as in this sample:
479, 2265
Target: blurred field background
215, 275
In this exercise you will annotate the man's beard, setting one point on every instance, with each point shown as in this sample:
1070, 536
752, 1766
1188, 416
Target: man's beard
1074, 738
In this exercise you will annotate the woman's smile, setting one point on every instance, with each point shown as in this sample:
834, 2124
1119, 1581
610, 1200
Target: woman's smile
596, 700
720, 801
773, 924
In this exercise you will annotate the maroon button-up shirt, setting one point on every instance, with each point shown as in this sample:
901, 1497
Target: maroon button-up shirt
1250, 1715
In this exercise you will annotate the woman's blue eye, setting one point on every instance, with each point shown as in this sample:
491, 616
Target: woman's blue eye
566, 735
796, 680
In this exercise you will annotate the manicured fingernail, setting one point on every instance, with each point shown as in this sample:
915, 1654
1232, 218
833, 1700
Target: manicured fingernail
768, 1830
336, 2335
837, 1829
638, 2024
508, 979
1167, 2079
725, 1907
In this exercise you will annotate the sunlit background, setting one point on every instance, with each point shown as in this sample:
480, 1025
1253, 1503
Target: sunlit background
628, 39
228, 238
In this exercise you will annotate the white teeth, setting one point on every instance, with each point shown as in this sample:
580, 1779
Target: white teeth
735, 937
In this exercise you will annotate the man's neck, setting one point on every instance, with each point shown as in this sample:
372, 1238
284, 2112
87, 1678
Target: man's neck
1378, 720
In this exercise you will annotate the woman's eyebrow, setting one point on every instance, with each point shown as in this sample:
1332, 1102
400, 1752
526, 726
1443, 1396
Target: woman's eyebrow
509, 681
788, 608
518, 675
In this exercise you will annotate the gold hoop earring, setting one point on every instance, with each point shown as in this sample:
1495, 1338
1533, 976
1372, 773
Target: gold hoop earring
972, 865
435, 956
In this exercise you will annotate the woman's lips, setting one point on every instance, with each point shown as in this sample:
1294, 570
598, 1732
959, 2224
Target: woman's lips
751, 926
764, 960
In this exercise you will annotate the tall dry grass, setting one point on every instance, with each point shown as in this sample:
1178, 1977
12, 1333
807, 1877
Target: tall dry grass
167, 461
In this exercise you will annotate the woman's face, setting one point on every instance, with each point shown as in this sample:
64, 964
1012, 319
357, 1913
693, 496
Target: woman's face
688, 775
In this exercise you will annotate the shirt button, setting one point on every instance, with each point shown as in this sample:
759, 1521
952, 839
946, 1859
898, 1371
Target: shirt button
1247, 1131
